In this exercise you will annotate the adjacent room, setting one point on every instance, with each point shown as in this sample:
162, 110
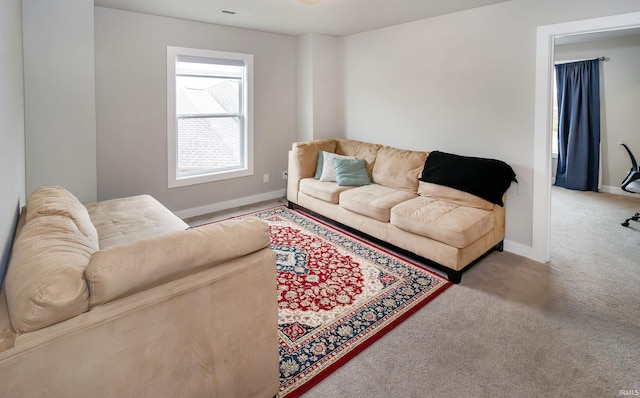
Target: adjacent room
234, 199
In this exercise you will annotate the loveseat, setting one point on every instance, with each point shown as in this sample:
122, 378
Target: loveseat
119, 298
396, 197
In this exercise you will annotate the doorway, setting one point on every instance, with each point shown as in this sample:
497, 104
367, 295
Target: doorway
546, 37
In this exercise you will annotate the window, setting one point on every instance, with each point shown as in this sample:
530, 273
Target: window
209, 126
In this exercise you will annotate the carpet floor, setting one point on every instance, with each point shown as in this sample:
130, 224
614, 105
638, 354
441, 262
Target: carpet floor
518, 328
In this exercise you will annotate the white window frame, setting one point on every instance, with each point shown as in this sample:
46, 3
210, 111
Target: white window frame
174, 180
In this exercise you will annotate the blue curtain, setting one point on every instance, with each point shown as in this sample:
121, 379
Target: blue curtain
578, 87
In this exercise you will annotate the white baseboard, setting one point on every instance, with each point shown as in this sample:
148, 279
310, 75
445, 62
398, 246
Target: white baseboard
229, 204
617, 191
519, 249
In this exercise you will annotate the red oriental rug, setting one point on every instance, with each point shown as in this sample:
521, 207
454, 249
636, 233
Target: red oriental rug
337, 294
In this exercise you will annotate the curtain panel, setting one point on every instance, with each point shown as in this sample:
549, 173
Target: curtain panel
578, 88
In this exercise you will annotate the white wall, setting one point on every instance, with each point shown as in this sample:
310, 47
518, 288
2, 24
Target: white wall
620, 101
131, 104
320, 87
461, 83
12, 161
59, 93
328, 95
304, 83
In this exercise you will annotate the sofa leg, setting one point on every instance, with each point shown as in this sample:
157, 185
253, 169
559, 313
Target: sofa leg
290, 205
500, 246
454, 277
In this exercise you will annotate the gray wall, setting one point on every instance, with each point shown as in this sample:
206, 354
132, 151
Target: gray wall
59, 93
131, 105
461, 83
12, 146
320, 87
620, 101
304, 84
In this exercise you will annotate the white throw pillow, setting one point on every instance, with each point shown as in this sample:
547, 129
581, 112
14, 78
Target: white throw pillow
328, 169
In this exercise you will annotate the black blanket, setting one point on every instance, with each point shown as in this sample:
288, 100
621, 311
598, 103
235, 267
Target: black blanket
486, 178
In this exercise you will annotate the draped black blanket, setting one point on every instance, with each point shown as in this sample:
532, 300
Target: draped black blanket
486, 178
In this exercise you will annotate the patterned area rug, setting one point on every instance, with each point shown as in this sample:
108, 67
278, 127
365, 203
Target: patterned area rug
337, 294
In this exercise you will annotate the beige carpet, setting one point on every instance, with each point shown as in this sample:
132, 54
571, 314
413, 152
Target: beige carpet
517, 328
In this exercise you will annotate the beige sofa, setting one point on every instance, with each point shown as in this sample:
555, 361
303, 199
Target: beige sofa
120, 299
445, 227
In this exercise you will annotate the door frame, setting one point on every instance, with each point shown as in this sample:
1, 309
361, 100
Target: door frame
546, 36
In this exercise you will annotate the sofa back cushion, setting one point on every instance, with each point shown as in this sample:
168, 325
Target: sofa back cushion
44, 283
359, 150
398, 168
130, 268
47, 201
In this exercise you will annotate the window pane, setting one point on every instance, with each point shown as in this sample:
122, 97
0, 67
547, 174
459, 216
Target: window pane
201, 66
209, 144
207, 95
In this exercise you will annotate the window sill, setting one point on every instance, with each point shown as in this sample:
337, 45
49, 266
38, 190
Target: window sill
202, 179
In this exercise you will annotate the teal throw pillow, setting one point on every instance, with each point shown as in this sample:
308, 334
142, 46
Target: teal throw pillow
351, 172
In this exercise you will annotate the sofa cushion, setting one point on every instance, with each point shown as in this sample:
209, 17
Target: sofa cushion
324, 190
47, 201
453, 195
123, 220
130, 268
441, 220
398, 168
351, 172
44, 283
374, 201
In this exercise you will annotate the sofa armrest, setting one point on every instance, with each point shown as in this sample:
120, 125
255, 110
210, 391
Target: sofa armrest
130, 268
305, 155
303, 158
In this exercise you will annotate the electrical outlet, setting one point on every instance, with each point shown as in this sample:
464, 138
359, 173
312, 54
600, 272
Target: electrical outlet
285, 175
265, 177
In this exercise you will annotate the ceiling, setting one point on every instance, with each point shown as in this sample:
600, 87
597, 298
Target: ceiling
299, 17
